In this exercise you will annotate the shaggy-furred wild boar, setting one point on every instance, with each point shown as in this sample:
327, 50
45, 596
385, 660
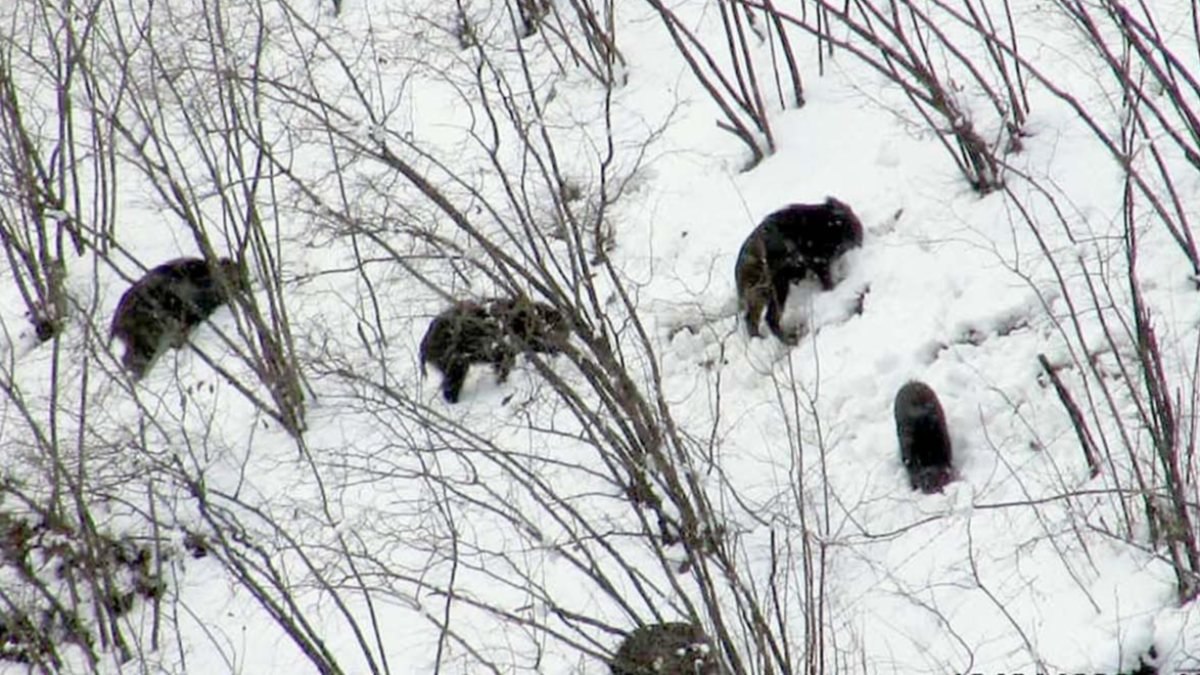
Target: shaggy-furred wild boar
785, 247
674, 648
162, 307
492, 331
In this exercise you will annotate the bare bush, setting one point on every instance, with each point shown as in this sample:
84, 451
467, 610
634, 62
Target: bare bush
55, 170
732, 79
1136, 422
217, 184
523, 231
942, 69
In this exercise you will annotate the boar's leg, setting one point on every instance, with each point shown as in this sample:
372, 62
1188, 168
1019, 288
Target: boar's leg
452, 381
775, 305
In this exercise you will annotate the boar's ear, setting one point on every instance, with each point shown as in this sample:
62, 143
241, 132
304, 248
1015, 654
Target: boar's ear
232, 273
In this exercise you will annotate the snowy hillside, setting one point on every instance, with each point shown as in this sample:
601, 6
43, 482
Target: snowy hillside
289, 493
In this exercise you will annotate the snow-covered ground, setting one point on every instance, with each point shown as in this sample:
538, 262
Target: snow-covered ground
408, 535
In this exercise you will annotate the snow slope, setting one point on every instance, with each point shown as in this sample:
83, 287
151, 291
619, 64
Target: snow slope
1020, 565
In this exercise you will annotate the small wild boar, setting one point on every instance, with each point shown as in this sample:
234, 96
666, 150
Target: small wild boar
492, 331
924, 440
162, 307
674, 648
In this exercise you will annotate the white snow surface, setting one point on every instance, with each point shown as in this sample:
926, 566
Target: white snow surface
1021, 565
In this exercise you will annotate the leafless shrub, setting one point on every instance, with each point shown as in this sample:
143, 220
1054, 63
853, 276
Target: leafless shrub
597, 25
1113, 386
219, 188
54, 173
456, 236
732, 79
923, 48
60, 581
919, 48
1134, 395
1145, 69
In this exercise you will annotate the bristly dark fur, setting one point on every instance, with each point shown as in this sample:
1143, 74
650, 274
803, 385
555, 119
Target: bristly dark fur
162, 307
924, 440
674, 648
786, 246
493, 331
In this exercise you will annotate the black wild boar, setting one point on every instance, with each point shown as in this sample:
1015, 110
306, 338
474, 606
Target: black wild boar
162, 307
924, 441
674, 648
493, 331
785, 247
